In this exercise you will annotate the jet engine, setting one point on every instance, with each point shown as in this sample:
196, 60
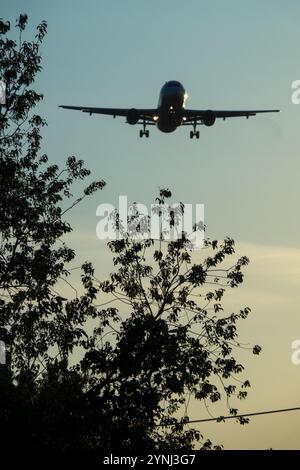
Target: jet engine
132, 116
209, 118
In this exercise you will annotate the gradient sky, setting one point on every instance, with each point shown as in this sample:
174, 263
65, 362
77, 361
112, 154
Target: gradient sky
230, 55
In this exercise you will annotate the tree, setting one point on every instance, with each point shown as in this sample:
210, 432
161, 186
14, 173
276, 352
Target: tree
169, 338
33, 256
175, 341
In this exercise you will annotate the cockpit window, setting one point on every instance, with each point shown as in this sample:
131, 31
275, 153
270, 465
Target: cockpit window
173, 83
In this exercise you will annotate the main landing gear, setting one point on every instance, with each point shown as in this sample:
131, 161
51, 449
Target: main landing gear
194, 133
144, 132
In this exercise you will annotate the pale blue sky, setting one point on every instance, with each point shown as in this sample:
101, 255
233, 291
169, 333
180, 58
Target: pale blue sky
230, 55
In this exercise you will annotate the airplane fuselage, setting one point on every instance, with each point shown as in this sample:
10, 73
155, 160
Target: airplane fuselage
170, 106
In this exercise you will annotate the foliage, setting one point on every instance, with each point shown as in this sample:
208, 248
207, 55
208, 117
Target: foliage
175, 343
33, 256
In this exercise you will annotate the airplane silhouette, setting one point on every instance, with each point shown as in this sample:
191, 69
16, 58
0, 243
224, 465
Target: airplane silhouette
170, 112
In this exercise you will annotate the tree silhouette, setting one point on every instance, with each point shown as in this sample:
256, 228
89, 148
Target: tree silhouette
159, 339
33, 256
174, 341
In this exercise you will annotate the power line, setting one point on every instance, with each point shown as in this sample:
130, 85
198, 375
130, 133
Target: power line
220, 418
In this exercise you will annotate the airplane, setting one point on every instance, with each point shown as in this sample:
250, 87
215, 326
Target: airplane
170, 112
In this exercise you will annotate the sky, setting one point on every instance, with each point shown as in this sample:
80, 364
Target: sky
228, 55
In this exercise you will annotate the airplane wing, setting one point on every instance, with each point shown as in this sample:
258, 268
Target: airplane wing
192, 115
143, 114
